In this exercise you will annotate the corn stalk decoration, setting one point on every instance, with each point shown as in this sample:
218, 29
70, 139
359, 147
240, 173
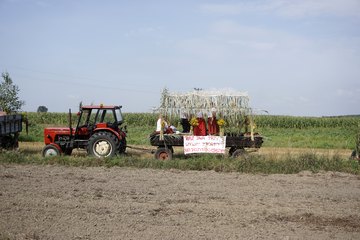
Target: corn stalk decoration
231, 105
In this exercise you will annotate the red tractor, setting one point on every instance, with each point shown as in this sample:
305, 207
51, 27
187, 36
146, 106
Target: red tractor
98, 131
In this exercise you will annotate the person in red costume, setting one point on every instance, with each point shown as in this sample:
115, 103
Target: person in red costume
213, 127
200, 129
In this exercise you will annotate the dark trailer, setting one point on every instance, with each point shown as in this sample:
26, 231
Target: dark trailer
10, 128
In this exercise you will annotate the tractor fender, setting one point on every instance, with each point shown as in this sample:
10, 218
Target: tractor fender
109, 130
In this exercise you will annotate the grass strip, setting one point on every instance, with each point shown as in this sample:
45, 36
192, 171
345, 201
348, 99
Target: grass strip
288, 164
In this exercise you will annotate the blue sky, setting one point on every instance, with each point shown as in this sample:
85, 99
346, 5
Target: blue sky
296, 57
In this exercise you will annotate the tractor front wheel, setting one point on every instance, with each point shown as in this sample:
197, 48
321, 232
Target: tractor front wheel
50, 151
102, 145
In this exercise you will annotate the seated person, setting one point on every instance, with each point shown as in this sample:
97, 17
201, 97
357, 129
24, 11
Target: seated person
162, 124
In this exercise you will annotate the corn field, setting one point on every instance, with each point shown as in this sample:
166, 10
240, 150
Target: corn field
279, 131
261, 121
56, 119
306, 122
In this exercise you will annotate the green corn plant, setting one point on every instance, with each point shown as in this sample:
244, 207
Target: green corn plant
357, 145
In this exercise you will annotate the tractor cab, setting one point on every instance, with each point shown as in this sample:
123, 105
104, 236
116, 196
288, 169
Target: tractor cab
98, 130
92, 118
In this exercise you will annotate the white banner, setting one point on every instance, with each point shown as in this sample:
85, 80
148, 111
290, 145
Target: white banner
204, 144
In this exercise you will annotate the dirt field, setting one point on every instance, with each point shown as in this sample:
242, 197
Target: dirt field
57, 202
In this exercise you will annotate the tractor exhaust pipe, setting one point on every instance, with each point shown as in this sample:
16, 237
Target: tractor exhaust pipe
70, 125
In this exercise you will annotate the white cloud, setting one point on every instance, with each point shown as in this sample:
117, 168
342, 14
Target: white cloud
294, 8
208, 49
304, 8
304, 99
41, 3
341, 92
142, 31
258, 38
226, 9
254, 45
228, 27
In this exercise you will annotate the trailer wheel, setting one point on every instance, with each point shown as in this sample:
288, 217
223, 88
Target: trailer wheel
9, 142
102, 144
239, 153
233, 149
163, 154
355, 156
50, 151
6, 142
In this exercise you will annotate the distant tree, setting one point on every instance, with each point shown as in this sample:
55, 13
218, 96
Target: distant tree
42, 109
9, 99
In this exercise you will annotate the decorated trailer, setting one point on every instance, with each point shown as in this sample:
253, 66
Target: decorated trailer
10, 128
217, 119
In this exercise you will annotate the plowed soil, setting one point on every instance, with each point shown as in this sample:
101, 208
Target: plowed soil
58, 202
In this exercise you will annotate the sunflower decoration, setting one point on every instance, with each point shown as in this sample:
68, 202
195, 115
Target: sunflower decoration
194, 122
221, 122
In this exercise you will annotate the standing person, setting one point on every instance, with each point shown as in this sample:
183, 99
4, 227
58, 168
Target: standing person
200, 129
213, 127
184, 121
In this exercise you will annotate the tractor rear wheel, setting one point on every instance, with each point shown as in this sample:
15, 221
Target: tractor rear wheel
102, 145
